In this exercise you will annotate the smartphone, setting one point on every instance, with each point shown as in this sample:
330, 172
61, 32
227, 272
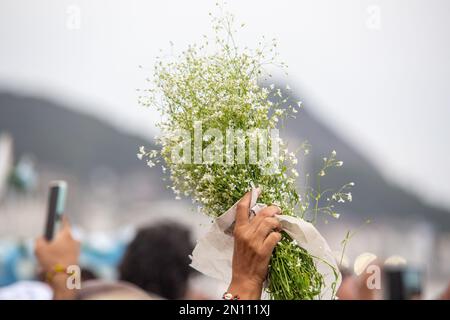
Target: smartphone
56, 205
403, 283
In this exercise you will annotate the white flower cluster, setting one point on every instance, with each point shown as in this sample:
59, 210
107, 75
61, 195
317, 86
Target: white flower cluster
221, 89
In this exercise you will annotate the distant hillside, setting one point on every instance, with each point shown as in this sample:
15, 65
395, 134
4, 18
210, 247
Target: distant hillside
373, 196
77, 142
63, 138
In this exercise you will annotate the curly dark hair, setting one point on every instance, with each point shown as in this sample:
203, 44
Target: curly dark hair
157, 260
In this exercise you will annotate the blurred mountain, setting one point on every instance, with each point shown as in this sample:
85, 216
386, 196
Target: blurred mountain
72, 142
374, 196
76, 142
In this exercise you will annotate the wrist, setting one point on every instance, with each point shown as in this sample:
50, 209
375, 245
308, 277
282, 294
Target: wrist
60, 289
245, 288
57, 277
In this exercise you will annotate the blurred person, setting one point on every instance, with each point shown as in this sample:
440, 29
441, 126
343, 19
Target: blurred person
55, 256
368, 282
108, 290
157, 260
348, 290
26, 290
446, 294
88, 274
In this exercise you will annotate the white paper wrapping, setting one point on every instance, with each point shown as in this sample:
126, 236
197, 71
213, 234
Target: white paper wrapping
213, 253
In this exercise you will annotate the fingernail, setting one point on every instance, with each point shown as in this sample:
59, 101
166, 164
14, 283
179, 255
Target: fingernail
278, 206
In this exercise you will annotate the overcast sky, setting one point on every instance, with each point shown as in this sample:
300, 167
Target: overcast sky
378, 71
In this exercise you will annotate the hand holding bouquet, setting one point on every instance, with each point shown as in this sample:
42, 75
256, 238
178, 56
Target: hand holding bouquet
219, 139
255, 240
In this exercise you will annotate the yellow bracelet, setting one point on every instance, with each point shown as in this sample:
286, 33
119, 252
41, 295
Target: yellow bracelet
58, 268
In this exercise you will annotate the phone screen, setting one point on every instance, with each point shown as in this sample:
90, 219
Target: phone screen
56, 204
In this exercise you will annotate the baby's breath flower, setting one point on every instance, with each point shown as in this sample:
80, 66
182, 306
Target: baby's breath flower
150, 163
335, 215
349, 197
222, 90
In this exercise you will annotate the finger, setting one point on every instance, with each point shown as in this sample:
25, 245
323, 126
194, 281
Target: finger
266, 227
242, 209
270, 242
40, 242
270, 211
65, 224
276, 205
65, 230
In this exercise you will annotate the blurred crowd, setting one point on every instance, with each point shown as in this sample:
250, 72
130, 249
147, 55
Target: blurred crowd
154, 265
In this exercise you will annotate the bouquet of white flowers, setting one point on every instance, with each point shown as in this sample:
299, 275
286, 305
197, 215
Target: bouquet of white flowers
219, 139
